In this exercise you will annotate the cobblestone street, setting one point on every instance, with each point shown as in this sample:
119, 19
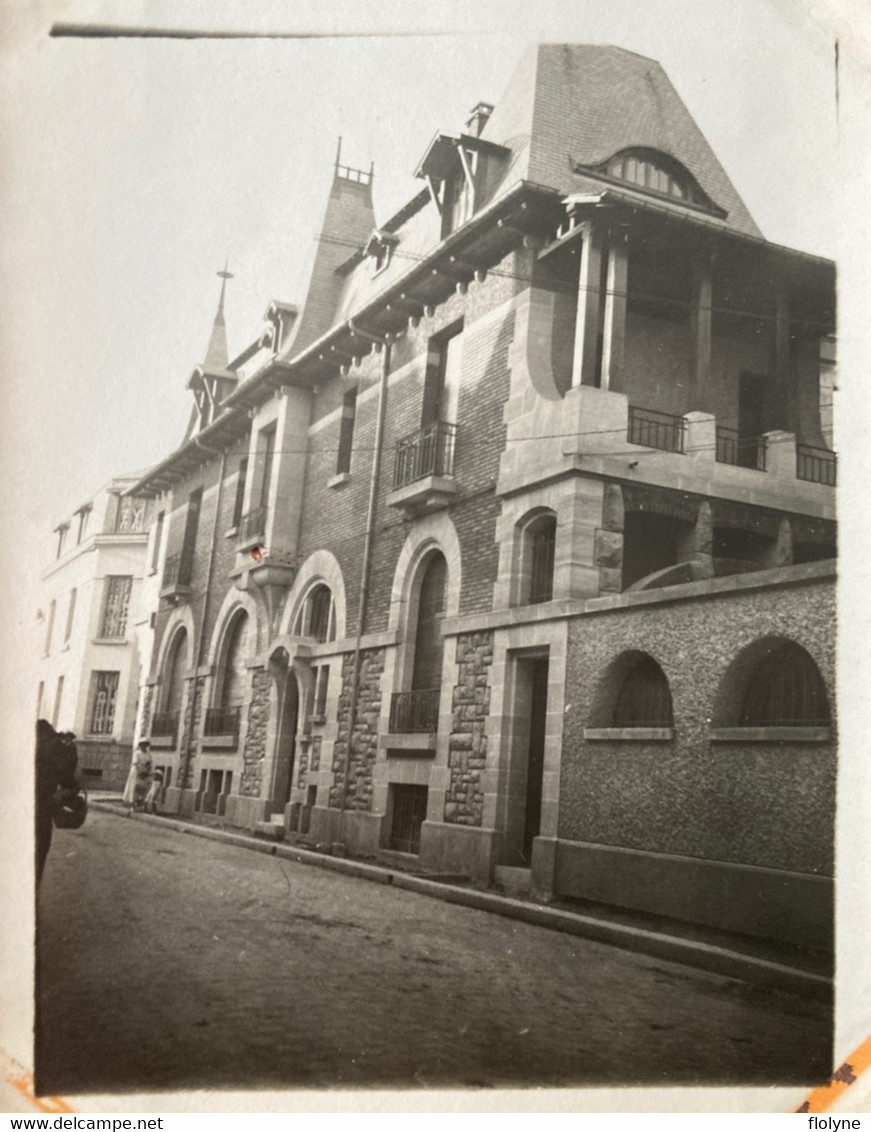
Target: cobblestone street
184, 962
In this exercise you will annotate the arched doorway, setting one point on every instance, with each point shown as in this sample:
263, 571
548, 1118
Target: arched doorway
287, 715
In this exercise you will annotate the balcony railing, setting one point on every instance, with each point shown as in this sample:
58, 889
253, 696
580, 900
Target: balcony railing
653, 429
164, 725
414, 711
818, 465
740, 451
222, 721
253, 525
177, 570
426, 452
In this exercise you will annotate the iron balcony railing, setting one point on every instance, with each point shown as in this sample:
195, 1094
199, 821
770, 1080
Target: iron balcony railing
222, 721
177, 570
818, 465
253, 525
164, 725
414, 711
653, 429
740, 451
426, 452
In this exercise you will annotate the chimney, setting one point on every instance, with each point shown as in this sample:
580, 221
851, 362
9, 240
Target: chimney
478, 116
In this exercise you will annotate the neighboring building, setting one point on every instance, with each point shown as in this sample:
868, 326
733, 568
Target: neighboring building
89, 672
512, 547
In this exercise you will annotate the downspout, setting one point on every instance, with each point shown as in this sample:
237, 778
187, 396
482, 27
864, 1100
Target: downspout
367, 558
209, 571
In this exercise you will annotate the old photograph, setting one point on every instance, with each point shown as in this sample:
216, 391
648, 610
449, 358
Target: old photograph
428, 441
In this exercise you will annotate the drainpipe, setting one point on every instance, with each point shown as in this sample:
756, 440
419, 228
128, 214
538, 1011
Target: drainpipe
367, 556
209, 571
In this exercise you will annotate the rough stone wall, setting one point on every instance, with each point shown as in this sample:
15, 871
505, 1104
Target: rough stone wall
364, 748
765, 804
467, 745
254, 755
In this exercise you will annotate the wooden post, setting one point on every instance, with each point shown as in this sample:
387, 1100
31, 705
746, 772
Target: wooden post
701, 331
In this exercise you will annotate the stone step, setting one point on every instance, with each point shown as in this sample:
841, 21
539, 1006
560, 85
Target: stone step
513, 881
270, 830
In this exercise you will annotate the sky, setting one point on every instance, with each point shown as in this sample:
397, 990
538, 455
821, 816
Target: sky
132, 169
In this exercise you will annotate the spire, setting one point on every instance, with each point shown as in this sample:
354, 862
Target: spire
216, 353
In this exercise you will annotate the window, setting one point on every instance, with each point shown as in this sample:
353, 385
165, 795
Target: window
165, 721
322, 682
444, 365
428, 642
39, 698
103, 697
189, 545
786, 690
61, 533
654, 172
84, 514
116, 605
239, 502
49, 629
458, 194
346, 431
223, 718
644, 699
71, 612
55, 715
541, 542
320, 606
158, 538
268, 440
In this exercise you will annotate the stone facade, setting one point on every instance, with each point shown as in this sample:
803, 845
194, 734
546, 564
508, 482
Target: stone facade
364, 747
467, 746
254, 755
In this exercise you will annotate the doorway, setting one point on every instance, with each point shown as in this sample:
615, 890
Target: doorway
526, 774
285, 740
752, 413
409, 814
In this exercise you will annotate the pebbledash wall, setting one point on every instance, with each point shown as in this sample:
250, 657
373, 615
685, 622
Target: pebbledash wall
706, 820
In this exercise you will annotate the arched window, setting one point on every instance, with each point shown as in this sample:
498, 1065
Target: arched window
654, 172
222, 718
316, 618
644, 699
165, 722
417, 709
785, 689
537, 560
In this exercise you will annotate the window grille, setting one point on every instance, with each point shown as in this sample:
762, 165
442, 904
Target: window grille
817, 465
118, 590
409, 814
542, 543
426, 452
786, 690
104, 697
644, 699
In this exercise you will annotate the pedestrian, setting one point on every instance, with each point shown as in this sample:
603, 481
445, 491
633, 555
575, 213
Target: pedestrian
153, 791
56, 763
139, 778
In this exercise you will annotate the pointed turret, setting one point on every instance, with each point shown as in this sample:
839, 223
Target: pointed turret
211, 382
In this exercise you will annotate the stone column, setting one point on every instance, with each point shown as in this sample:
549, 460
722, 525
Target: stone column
614, 328
781, 361
587, 322
701, 329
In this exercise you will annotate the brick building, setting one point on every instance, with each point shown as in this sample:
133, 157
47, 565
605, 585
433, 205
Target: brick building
512, 547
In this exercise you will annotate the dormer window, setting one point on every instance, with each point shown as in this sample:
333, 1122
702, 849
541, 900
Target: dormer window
379, 248
455, 169
653, 172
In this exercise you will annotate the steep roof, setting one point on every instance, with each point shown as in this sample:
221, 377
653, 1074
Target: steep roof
570, 105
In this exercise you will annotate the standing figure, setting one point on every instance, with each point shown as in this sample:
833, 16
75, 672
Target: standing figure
153, 792
56, 762
139, 778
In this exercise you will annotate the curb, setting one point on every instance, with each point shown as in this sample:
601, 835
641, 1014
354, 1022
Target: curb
691, 953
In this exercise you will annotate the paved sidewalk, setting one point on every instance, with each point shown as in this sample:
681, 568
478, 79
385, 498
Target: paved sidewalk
752, 961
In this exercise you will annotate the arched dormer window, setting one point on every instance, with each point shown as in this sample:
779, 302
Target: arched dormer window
316, 618
644, 699
654, 172
785, 689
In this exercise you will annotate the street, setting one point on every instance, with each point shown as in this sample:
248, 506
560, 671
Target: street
169, 962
